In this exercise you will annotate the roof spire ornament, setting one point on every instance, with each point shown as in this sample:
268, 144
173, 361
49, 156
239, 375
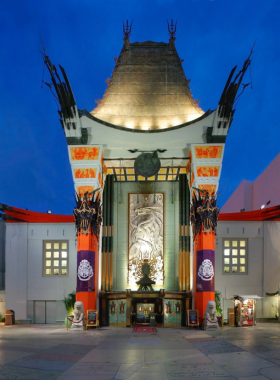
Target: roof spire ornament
172, 29
127, 29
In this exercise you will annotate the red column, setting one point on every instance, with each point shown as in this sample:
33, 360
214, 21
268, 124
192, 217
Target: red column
204, 270
87, 219
87, 289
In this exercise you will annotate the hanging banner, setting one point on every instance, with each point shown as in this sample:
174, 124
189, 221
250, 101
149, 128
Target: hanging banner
205, 275
85, 271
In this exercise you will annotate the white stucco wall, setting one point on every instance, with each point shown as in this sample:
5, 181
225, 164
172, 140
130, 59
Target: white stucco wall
271, 248
16, 268
263, 264
25, 282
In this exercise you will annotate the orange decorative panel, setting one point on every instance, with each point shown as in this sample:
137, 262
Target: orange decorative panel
207, 171
85, 173
208, 151
131, 178
110, 171
104, 169
130, 171
90, 153
183, 171
161, 177
83, 189
210, 188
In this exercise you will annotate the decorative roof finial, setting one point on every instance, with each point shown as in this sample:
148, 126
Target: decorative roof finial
172, 29
127, 29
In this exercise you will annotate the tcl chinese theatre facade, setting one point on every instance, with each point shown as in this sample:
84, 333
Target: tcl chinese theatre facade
146, 164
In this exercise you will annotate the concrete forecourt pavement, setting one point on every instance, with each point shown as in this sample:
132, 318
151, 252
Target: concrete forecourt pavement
32, 352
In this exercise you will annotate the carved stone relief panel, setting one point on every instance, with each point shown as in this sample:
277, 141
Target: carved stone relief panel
145, 237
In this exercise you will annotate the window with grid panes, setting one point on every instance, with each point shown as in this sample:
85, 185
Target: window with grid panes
235, 258
55, 257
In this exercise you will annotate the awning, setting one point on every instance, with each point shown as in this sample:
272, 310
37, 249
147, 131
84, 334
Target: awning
242, 298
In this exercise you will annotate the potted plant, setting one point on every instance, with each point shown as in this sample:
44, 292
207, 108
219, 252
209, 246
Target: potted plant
2, 320
218, 300
275, 308
69, 302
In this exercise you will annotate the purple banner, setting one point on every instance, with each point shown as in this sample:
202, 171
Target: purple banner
205, 275
85, 271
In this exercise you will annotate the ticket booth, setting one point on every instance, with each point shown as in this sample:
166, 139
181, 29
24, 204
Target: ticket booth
245, 310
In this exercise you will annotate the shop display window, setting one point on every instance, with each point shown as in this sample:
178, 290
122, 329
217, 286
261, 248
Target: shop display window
235, 256
247, 313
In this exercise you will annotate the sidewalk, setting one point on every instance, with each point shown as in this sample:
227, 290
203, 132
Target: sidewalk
34, 352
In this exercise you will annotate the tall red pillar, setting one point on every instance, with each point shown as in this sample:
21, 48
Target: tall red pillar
204, 270
204, 217
87, 249
87, 220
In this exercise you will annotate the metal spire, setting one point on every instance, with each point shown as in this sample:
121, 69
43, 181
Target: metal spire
127, 29
172, 29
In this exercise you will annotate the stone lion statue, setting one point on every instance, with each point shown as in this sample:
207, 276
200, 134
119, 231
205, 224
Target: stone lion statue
210, 315
78, 320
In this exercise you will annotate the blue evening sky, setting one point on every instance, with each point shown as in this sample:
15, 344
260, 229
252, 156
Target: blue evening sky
84, 37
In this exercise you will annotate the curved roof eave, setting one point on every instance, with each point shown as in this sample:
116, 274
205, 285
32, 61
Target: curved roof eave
90, 116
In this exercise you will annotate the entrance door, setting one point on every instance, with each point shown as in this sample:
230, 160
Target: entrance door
44, 311
50, 311
39, 312
141, 309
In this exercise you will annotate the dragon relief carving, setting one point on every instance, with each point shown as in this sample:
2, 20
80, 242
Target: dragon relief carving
145, 237
204, 213
88, 215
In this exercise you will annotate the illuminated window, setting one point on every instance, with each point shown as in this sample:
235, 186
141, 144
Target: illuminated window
235, 256
55, 258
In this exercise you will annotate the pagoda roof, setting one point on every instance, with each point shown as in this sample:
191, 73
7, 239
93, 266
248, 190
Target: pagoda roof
148, 89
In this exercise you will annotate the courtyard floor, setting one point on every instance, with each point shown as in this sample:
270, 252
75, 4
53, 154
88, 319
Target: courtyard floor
34, 352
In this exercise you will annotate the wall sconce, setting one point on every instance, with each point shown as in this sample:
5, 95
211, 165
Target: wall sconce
168, 308
113, 308
122, 307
